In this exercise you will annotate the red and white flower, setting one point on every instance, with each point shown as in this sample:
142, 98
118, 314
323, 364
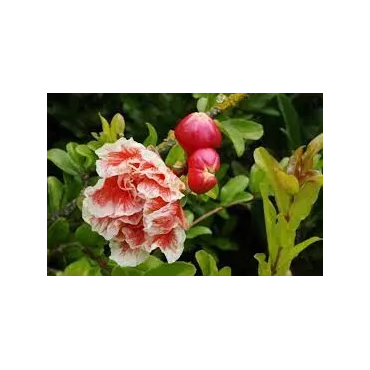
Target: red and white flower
136, 203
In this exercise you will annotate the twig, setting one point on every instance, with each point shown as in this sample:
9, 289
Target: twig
210, 213
231, 101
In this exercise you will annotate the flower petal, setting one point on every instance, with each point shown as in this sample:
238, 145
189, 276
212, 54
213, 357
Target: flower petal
164, 219
109, 227
107, 198
117, 158
171, 244
150, 189
125, 256
134, 236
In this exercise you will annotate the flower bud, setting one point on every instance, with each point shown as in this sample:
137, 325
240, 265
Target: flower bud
201, 181
196, 131
206, 158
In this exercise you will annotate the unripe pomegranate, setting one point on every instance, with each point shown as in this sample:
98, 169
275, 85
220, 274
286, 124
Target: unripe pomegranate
206, 158
196, 131
201, 181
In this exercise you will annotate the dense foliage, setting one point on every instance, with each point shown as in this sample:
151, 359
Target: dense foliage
264, 212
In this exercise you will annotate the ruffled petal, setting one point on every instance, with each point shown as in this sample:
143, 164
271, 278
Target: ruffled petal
107, 198
122, 254
118, 158
109, 227
134, 236
164, 219
171, 244
150, 189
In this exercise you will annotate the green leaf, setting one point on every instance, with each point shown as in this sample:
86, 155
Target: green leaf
213, 193
55, 194
176, 154
270, 222
270, 167
89, 238
242, 197
106, 129
225, 271
153, 137
287, 182
189, 216
150, 263
94, 145
248, 130
72, 187
117, 126
197, 231
126, 271
255, 178
89, 155
263, 267
291, 119
202, 104
303, 203
58, 233
62, 160
284, 233
82, 267
207, 263
221, 173
289, 254
236, 139
211, 101
173, 269
234, 186
75, 157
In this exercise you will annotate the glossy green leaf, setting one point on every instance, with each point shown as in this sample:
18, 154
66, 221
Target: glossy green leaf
255, 178
55, 194
292, 121
106, 130
88, 154
89, 238
303, 203
221, 173
270, 167
235, 137
150, 263
117, 126
287, 182
213, 193
202, 104
242, 197
62, 160
249, 130
94, 145
58, 233
189, 216
152, 137
197, 231
173, 269
284, 234
225, 271
176, 154
126, 271
207, 263
74, 156
82, 267
263, 266
288, 255
270, 222
234, 186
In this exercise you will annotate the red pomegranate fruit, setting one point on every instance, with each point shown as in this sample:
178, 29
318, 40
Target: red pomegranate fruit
197, 131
